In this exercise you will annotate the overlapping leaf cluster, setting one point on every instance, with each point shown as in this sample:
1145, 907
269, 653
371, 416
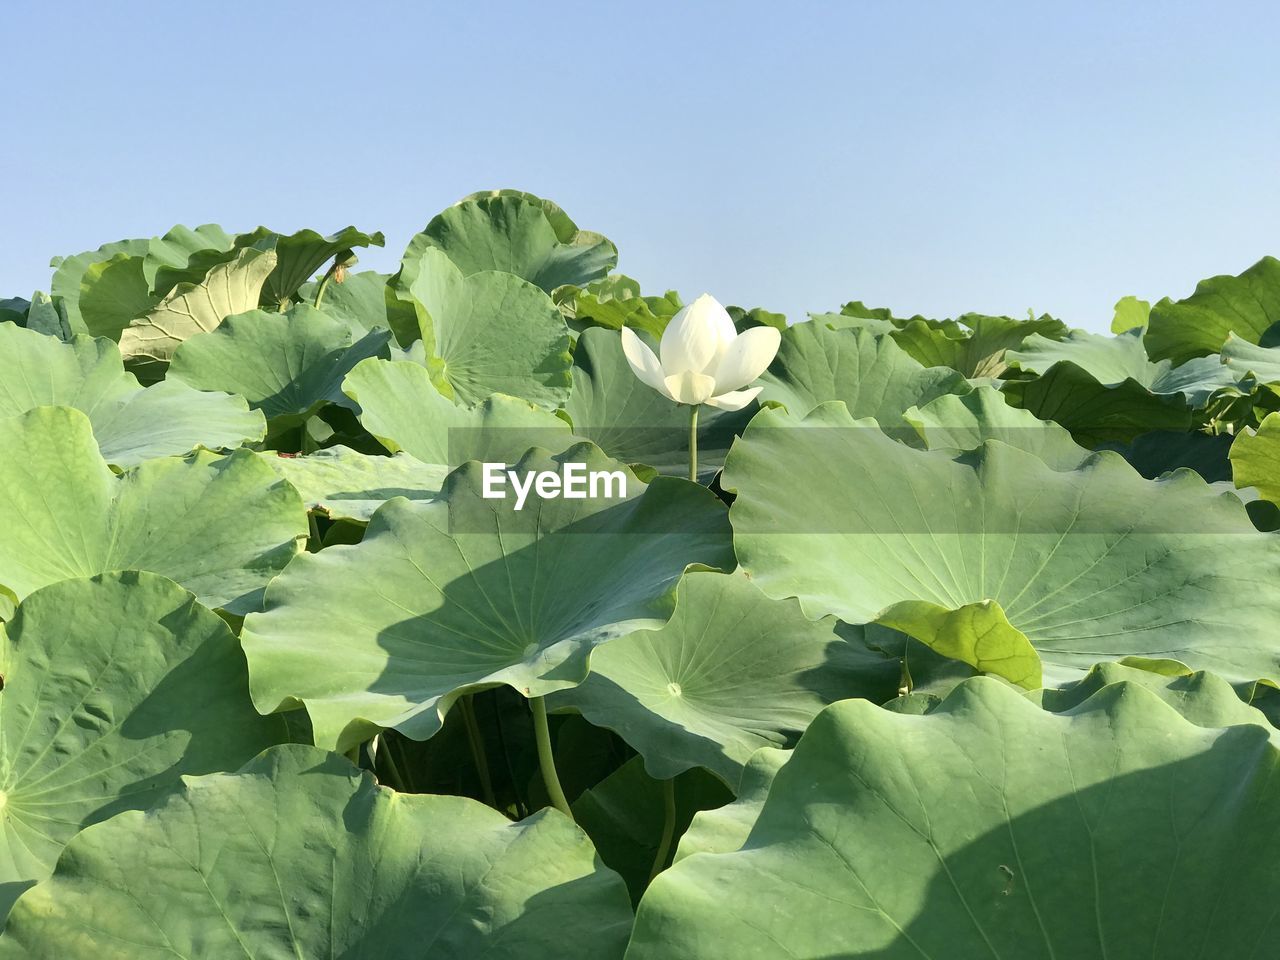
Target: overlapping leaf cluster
964, 644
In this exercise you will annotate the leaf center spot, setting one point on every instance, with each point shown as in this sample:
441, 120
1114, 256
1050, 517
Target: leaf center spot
674, 689
530, 650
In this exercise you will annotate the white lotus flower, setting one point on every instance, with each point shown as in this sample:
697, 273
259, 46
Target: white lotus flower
704, 358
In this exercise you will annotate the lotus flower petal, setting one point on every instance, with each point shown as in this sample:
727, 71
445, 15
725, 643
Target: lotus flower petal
696, 336
735, 400
643, 361
690, 387
746, 358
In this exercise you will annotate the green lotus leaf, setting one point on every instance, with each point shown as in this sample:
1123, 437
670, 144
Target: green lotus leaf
1087, 564
841, 321
185, 255
44, 317
103, 290
1248, 361
990, 827
465, 593
1255, 458
488, 333
288, 365
113, 293
745, 319
615, 302
1115, 361
299, 854
1246, 305
66, 285
345, 484
976, 346
560, 221
952, 422
731, 672
368, 300
1130, 314
1096, 414
170, 419
298, 257
978, 634
872, 375
515, 234
634, 423
1104, 389
220, 526
14, 310
1202, 698
726, 828
131, 424
402, 409
190, 308
113, 687
625, 813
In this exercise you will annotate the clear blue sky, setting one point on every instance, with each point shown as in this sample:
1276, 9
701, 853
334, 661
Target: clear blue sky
933, 157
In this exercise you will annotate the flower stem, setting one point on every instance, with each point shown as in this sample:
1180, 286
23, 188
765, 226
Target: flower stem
693, 443
478, 755
668, 825
546, 759
324, 284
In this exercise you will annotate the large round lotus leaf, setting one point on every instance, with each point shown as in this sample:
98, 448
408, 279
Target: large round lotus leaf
287, 365
634, 423
514, 234
1255, 458
1112, 361
560, 221
975, 345
1254, 364
1096, 414
345, 484
367, 300
952, 422
992, 828
405, 412
112, 688
149, 342
299, 255
1204, 699
1104, 388
220, 526
113, 293
983, 551
872, 375
184, 254
465, 593
489, 332
616, 302
68, 283
1246, 305
131, 424
731, 672
300, 855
